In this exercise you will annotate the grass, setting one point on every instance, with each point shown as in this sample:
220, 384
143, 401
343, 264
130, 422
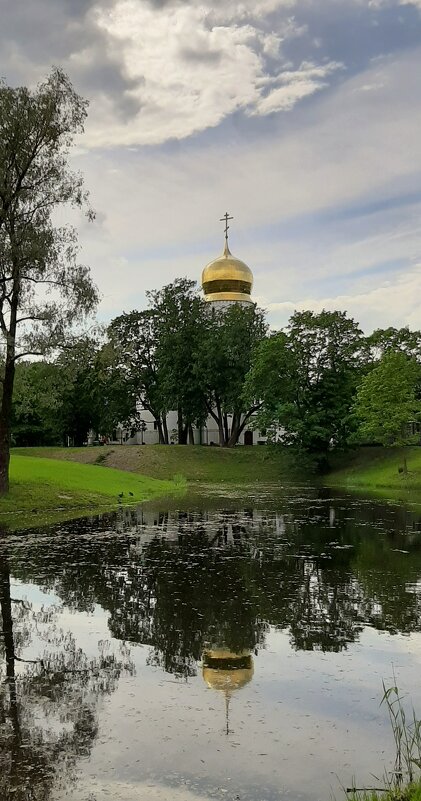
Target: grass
42, 485
195, 463
377, 469
412, 792
404, 782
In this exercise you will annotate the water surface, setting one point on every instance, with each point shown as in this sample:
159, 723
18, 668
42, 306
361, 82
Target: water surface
227, 646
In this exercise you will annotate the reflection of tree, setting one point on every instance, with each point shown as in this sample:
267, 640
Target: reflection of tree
188, 581
326, 614
47, 704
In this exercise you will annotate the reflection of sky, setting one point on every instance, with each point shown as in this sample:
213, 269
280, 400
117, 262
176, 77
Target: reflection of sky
310, 715
305, 719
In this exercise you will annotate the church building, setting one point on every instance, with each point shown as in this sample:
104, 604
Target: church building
225, 280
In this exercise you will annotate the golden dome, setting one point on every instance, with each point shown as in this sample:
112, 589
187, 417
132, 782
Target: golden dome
226, 671
227, 278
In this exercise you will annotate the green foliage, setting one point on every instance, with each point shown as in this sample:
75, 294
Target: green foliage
43, 289
133, 367
383, 340
224, 361
306, 378
36, 404
388, 399
179, 327
180, 354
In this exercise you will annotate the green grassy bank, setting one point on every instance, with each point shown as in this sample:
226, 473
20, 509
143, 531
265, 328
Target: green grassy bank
195, 463
42, 485
410, 793
377, 469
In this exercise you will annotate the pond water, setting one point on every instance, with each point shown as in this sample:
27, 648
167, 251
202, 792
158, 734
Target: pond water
218, 647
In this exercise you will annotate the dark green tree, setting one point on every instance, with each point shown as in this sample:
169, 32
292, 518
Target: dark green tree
383, 340
136, 377
224, 359
37, 404
306, 378
82, 391
43, 289
179, 328
388, 399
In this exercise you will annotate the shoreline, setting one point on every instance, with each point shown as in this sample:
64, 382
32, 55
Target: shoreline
45, 489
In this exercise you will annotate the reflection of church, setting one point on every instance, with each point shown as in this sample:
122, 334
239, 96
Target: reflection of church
225, 280
227, 672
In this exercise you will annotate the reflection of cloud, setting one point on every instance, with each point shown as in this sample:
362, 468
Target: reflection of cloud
132, 791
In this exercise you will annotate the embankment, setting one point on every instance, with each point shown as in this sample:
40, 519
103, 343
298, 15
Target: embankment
378, 470
195, 463
40, 485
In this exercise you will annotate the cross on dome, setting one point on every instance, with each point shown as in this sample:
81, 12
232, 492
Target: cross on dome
227, 278
225, 219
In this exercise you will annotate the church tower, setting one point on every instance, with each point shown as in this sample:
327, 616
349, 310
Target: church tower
227, 279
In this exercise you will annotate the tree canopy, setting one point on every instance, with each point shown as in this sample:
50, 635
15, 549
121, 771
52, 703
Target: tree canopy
306, 377
388, 400
44, 291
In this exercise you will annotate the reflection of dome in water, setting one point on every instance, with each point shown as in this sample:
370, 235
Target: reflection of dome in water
227, 278
227, 671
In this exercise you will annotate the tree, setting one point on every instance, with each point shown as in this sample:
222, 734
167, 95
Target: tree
397, 339
388, 399
136, 377
179, 327
37, 404
306, 379
224, 359
43, 290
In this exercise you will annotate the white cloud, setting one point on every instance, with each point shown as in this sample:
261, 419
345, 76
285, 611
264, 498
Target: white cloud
161, 208
194, 65
294, 85
394, 302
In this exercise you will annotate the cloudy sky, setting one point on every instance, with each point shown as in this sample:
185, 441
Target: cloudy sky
302, 118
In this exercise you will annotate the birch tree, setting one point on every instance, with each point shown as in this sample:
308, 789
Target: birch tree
44, 291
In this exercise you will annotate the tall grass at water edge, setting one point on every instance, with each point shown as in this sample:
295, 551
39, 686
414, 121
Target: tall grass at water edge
403, 783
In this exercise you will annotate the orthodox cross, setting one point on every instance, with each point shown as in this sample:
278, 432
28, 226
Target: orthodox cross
225, 219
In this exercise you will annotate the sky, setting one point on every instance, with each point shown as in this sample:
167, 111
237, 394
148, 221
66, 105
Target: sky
301, 118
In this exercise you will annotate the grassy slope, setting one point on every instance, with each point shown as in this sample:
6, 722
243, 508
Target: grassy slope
377, 469
194, 463
40, 484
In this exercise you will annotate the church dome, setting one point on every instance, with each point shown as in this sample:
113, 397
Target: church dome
227, 278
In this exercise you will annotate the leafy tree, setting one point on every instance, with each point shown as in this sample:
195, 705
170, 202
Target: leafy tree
136, 376
224, 359
397, 339
43, 290
306, 378
179, 327
388, 398
83, 380
37, 404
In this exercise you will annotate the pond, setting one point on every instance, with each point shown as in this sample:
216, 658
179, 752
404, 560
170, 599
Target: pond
230, 645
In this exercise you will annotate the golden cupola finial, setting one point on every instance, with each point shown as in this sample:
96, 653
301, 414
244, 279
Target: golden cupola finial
227, 278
